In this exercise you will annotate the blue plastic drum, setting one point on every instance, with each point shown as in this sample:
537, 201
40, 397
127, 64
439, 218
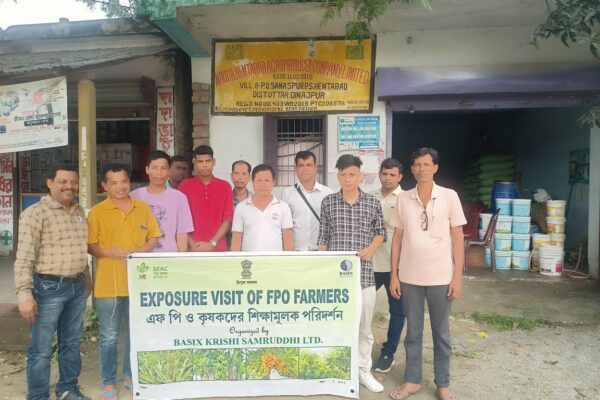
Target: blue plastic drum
503, 190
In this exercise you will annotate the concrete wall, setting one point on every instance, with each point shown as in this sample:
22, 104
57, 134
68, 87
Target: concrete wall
427, 48
443, 48
594, 203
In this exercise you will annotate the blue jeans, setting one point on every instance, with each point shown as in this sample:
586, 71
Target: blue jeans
396, 308
439, 313
111, 311
61, 307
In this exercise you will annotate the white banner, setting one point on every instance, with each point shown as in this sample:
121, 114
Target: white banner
33, 115
244, 324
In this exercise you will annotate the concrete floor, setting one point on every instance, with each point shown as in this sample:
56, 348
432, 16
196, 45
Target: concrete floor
7, 281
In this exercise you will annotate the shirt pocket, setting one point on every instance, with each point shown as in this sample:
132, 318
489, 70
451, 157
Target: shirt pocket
439, 227
366, 222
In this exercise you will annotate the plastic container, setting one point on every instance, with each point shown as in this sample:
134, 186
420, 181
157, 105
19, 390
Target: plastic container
520, 260
557, 239
503, 190
503, 259
551, 260
538, 239
504, 224
555, 224
520, 242
505, 206
484, 220
521, 207
555, 208
521, 224
503, 241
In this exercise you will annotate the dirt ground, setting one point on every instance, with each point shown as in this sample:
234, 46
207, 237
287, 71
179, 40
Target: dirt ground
560, 362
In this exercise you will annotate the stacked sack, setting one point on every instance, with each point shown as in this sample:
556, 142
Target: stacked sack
549, 249
511, 236
481, 173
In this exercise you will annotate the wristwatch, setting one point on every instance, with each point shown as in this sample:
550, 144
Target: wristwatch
213, 243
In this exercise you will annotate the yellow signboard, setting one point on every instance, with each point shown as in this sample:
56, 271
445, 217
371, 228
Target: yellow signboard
287, 76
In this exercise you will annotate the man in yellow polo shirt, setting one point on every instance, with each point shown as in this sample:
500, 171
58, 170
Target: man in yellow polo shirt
118, 226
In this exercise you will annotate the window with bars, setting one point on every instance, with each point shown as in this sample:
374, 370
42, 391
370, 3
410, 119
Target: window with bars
290, 135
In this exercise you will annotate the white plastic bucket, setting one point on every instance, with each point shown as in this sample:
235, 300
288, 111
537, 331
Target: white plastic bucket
520, 260
557, 239
520, 242
484, 220
555, 208
504, 224
551, 260
555, 224
503, 241
521, 224
521, 207
504, 205
538, 239
503, 259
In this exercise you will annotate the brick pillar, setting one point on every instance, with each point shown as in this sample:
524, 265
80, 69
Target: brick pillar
201, 114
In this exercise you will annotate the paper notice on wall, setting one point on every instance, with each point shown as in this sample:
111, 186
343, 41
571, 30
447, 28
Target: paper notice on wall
33, 115
6, 204
165, 120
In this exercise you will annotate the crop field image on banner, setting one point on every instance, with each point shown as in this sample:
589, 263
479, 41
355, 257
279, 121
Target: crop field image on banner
33, 115
275, 76
233, 325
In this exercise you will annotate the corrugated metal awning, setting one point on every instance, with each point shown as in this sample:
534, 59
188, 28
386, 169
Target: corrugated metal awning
504, 80
22, 63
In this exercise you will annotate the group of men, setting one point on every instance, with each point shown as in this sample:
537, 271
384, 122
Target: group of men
409, 242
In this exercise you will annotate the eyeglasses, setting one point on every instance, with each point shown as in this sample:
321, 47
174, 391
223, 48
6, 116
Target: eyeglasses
424, 220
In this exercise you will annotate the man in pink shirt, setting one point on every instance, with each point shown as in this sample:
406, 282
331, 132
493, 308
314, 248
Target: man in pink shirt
211, 203
426, 264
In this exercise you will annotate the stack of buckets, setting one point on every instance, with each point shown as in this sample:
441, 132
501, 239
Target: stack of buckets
548, 250
511, 237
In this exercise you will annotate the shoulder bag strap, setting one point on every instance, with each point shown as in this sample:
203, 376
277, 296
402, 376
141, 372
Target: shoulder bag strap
306, 201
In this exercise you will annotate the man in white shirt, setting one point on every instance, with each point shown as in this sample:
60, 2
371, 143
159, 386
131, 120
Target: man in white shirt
304, 199
390, 175
262, 222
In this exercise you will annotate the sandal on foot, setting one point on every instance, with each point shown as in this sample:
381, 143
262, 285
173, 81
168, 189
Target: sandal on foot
109, 394
400, 394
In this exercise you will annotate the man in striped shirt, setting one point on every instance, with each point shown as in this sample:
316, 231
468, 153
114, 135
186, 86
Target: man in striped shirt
53, 281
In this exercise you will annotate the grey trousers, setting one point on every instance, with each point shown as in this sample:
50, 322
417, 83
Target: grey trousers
439, 306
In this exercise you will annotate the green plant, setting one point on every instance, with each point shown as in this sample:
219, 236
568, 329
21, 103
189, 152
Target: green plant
219, 364
572, 21
363, 13
90, 324
506, 323
159, 367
